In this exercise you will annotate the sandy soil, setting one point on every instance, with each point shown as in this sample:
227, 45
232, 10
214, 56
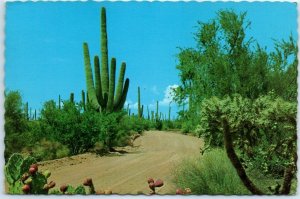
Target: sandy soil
154, 155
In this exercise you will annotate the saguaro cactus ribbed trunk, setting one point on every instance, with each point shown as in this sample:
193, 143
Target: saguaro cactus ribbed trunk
104, 52
102, 94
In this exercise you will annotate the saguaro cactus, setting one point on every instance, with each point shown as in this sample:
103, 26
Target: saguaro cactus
140, 108
102, 95
59, 100
72, 97
26, 111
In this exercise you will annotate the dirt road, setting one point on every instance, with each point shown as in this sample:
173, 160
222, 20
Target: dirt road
154, 155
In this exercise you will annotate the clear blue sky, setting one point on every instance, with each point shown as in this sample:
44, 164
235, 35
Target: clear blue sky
44, 42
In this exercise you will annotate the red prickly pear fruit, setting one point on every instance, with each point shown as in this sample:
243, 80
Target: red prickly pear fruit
88, 182
52, 184
150, 180
26, 188
32, 170
159, 183
152, 186
34, 166
179, 191
63, 188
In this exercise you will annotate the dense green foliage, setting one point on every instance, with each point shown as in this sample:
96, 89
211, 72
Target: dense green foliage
210, 174
225, 62
15, 123
243, 97
65, 129
263, 130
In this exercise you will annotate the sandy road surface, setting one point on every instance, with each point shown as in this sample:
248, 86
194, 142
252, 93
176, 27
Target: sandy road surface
153, 155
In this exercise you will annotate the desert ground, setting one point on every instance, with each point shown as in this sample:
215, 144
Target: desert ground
155, 154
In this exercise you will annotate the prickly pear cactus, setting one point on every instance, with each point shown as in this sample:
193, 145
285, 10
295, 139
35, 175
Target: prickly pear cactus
23, 176
12, 168
72, 190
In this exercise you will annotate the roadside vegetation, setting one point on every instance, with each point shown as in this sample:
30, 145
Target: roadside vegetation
240, 98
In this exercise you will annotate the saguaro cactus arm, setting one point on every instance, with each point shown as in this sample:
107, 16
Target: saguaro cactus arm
123, 96
89, 78
120, 83
98, 85
110, 103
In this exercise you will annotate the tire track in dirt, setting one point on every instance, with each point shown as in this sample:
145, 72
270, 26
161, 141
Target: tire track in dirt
154, 155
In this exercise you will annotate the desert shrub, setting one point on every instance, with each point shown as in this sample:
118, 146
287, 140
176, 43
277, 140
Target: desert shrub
187, 127
135, 124
158, 124
167, 125
210, 174
114, 131
78, 131
48, 150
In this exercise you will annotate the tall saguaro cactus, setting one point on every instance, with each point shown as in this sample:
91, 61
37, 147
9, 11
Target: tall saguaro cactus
102, 94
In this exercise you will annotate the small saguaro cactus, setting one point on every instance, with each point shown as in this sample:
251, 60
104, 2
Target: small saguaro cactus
140, 108
102, 94
26, 111
59, 101
72, 97
152, 115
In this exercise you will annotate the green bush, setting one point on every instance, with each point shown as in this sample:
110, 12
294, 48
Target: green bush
114, 130
167, 125
210, 174
78, 131
47, 150
158, 124
187, 127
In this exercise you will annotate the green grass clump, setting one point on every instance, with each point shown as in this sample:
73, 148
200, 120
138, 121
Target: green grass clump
210, 174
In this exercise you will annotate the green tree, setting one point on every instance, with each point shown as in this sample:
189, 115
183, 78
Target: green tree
225, 62
15, 123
